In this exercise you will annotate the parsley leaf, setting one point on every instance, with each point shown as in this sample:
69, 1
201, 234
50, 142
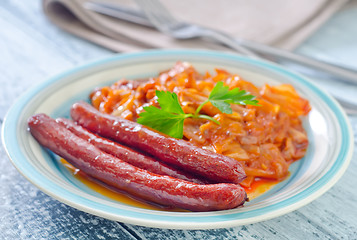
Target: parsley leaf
169, 102
169, 118
163, 121
221, 97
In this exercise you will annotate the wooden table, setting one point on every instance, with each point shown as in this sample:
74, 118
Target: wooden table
32, 49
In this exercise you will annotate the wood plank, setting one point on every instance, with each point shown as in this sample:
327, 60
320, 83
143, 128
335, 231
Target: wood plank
33, 49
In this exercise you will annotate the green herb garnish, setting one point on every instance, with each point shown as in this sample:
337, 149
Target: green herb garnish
170, 117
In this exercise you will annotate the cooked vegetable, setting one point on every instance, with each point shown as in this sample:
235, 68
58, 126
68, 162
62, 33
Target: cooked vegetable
265, 139
169, 119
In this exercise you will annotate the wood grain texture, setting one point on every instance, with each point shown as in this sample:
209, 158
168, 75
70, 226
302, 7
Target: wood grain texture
32, 50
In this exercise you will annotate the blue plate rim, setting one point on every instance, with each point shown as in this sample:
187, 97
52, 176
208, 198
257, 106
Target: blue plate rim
329, 178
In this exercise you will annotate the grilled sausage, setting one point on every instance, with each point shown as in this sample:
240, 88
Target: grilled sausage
160, 189
126, 154
175, 152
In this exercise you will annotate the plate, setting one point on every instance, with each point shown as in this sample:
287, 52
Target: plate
328, 155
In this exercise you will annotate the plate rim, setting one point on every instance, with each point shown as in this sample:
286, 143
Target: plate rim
318, 187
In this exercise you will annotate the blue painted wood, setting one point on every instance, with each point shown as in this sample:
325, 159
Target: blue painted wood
32, 49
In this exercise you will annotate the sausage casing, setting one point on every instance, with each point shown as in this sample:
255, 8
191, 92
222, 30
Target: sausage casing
176, 152
160, 189
126, 154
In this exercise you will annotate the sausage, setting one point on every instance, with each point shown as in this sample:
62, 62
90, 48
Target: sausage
175, 152
156, 188
126, 154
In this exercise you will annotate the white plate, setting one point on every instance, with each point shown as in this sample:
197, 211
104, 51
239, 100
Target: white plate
328, 155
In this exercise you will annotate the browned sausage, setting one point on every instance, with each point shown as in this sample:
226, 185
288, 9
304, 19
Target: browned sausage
126, 154
160, 189
175, 152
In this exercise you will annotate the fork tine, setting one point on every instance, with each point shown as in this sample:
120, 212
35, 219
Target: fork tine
162, 19
162, 10
156, 12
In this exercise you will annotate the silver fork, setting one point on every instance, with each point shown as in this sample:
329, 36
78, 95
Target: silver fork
166, 23
163, 20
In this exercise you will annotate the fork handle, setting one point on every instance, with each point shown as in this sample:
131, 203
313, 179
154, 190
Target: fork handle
228, 41
343, 73
276, 55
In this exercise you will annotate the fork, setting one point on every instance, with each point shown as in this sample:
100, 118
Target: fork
158, 17
165, 22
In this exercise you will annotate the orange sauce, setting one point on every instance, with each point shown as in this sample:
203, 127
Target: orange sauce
257, 188
112, 194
